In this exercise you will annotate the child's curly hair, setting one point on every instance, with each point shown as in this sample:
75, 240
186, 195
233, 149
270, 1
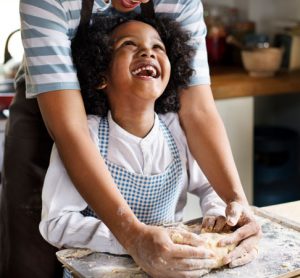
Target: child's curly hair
92, 52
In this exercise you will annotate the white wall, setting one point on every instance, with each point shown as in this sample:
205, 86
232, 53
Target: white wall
229, 3
268, 13
9, 21
238, 117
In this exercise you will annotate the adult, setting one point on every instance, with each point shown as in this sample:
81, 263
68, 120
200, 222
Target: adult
52, 93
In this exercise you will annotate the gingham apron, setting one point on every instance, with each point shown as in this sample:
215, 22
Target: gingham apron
152, 198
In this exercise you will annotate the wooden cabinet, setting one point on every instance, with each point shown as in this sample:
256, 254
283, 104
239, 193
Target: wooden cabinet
235, 82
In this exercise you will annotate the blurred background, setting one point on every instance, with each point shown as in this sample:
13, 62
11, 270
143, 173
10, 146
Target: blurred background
254, 56
11, 53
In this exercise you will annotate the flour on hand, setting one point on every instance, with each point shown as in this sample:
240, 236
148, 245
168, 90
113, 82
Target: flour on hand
210, 241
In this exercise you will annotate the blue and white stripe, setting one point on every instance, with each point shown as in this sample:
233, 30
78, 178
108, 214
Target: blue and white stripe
47, 27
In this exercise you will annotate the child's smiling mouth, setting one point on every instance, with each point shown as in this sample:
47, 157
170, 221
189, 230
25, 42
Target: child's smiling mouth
146, 70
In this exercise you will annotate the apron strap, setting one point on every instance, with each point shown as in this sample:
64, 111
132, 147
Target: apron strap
86, 12
87, 7
148, 10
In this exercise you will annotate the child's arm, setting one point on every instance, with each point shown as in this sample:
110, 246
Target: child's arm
62, 223
64, 226
151, 247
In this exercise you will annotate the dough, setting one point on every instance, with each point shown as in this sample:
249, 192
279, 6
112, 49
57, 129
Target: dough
211, 240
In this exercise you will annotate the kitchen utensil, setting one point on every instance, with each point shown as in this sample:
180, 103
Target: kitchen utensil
262, 62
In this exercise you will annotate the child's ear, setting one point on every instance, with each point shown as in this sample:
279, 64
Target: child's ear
103, 83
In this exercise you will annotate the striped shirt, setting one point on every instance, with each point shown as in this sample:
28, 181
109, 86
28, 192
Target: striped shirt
47, 27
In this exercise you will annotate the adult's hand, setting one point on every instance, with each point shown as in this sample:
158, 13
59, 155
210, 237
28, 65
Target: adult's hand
214, 224
154, 251
247, 234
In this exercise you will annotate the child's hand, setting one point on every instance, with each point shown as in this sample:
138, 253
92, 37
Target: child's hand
246, 235
215, 224
153, 250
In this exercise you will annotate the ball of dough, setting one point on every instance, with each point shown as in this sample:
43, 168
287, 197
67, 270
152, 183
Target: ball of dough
211, 241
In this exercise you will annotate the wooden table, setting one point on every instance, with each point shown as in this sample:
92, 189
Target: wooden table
287, 214
289, 211
279, 255
235, 82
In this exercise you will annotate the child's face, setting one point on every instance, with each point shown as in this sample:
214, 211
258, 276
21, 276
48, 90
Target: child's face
127, 5
140, 68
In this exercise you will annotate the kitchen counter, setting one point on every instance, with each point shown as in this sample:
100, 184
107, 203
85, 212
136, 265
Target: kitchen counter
286, 212
273, 261
289, 210
235, 82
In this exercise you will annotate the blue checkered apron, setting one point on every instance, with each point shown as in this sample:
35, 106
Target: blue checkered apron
152, 198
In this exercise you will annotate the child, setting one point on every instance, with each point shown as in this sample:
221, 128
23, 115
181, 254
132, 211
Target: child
129, 70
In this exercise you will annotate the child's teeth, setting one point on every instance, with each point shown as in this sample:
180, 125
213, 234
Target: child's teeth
148, 68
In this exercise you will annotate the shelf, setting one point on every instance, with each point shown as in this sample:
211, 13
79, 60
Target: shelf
235, 82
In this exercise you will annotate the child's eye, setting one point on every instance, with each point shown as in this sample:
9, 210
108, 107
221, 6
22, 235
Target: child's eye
160, 47
126, 43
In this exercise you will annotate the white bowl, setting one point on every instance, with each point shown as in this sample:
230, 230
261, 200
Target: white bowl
262, 62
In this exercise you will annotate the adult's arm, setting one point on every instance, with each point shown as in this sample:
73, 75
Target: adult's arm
65, 118
209, 144
151, 247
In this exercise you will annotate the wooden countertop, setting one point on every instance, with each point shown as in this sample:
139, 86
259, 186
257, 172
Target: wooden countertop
235, 82
273, 261
290, 211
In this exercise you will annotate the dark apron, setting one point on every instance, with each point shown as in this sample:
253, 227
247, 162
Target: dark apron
23, 251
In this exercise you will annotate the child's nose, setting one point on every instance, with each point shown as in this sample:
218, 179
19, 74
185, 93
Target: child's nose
147, 52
